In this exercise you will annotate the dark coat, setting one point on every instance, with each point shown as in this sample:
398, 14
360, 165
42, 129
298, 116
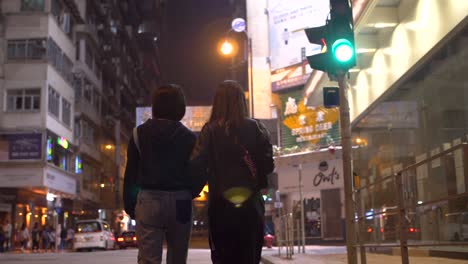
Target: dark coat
163, 163
215, 157
236, 229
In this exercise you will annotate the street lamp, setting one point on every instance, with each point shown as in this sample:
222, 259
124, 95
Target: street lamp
227, 48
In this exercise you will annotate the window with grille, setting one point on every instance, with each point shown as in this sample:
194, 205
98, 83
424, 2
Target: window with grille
66, 112
26, 49
88, 132
77, 129
32, 5
89, 56
59, 60
54, 102
24, 100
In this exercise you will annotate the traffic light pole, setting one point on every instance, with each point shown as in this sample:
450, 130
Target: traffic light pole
347, 170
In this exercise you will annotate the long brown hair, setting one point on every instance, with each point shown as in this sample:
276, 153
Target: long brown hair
229, 106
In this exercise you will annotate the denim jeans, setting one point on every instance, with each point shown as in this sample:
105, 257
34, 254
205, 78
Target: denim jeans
159, 215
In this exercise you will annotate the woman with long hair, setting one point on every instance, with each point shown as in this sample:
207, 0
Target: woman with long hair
234, 154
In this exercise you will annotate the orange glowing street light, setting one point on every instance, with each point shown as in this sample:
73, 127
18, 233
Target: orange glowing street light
227, 48
230, 48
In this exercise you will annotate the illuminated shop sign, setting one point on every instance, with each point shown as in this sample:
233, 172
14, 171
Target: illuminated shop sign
306, 125
195, 116
25, 146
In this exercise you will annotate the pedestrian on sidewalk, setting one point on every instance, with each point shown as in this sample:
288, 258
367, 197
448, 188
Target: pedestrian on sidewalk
157, 160
70, 237
45, 238
234, 154
24, 237
52, 238
63, 238
2, 239
35, 235
7, 229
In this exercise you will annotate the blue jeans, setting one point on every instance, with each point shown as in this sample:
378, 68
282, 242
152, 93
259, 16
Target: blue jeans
160, 215
63, 244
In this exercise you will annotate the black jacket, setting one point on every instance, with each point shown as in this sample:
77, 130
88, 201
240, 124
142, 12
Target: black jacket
163, 163
215, 157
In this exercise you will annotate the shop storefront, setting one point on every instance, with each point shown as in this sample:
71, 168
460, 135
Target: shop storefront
320, 175
419, 131
310, 140
31, 191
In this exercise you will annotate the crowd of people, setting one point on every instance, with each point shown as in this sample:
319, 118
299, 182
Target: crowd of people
36, 240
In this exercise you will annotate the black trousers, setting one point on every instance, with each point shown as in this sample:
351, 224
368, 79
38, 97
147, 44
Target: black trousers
236, 233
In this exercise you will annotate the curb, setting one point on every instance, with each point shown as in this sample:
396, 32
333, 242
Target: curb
266, 261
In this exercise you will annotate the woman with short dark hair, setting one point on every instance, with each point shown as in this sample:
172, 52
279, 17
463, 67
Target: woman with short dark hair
157, 188
235, 154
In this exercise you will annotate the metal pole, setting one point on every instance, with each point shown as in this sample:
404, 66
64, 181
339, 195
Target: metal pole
359, 234
347, 171
233, 70
402, 220
278, 127
117, 163
288, 249
302, 209
251, 88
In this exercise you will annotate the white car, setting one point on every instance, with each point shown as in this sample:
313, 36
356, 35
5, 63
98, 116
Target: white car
93, 234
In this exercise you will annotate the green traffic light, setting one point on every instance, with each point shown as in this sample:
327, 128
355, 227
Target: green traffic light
343, 50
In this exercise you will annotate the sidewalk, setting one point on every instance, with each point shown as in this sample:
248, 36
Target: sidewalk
325, 255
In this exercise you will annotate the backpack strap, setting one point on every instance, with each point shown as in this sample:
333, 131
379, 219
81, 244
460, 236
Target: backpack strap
135, 139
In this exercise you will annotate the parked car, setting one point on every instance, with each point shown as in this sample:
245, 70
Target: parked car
93, 234
127, 239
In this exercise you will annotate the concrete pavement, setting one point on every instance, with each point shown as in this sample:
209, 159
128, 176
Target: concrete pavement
337, 255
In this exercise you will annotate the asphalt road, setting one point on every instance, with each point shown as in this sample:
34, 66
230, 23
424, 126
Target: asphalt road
128, 256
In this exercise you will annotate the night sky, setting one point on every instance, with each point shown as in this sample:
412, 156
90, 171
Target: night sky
189, 47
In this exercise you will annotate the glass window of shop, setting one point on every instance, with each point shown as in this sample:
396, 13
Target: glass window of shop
29, 214
418, 132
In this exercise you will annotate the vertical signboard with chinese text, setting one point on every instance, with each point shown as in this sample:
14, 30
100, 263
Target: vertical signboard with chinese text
307, 126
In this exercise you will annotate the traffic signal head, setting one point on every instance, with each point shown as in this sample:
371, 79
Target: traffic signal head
343, 50
338, 38
318, 36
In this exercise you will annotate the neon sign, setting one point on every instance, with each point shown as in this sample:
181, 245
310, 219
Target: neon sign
78, 165
62, 142
49, 149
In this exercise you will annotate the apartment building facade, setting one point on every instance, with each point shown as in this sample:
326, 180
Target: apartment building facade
70, 80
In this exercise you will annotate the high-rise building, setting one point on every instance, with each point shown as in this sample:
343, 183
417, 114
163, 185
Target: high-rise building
71, 74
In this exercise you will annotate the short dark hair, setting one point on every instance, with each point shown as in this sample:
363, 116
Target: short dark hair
168, 102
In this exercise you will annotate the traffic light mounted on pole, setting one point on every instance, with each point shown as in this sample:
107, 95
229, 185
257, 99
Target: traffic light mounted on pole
339, 55
337, 37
